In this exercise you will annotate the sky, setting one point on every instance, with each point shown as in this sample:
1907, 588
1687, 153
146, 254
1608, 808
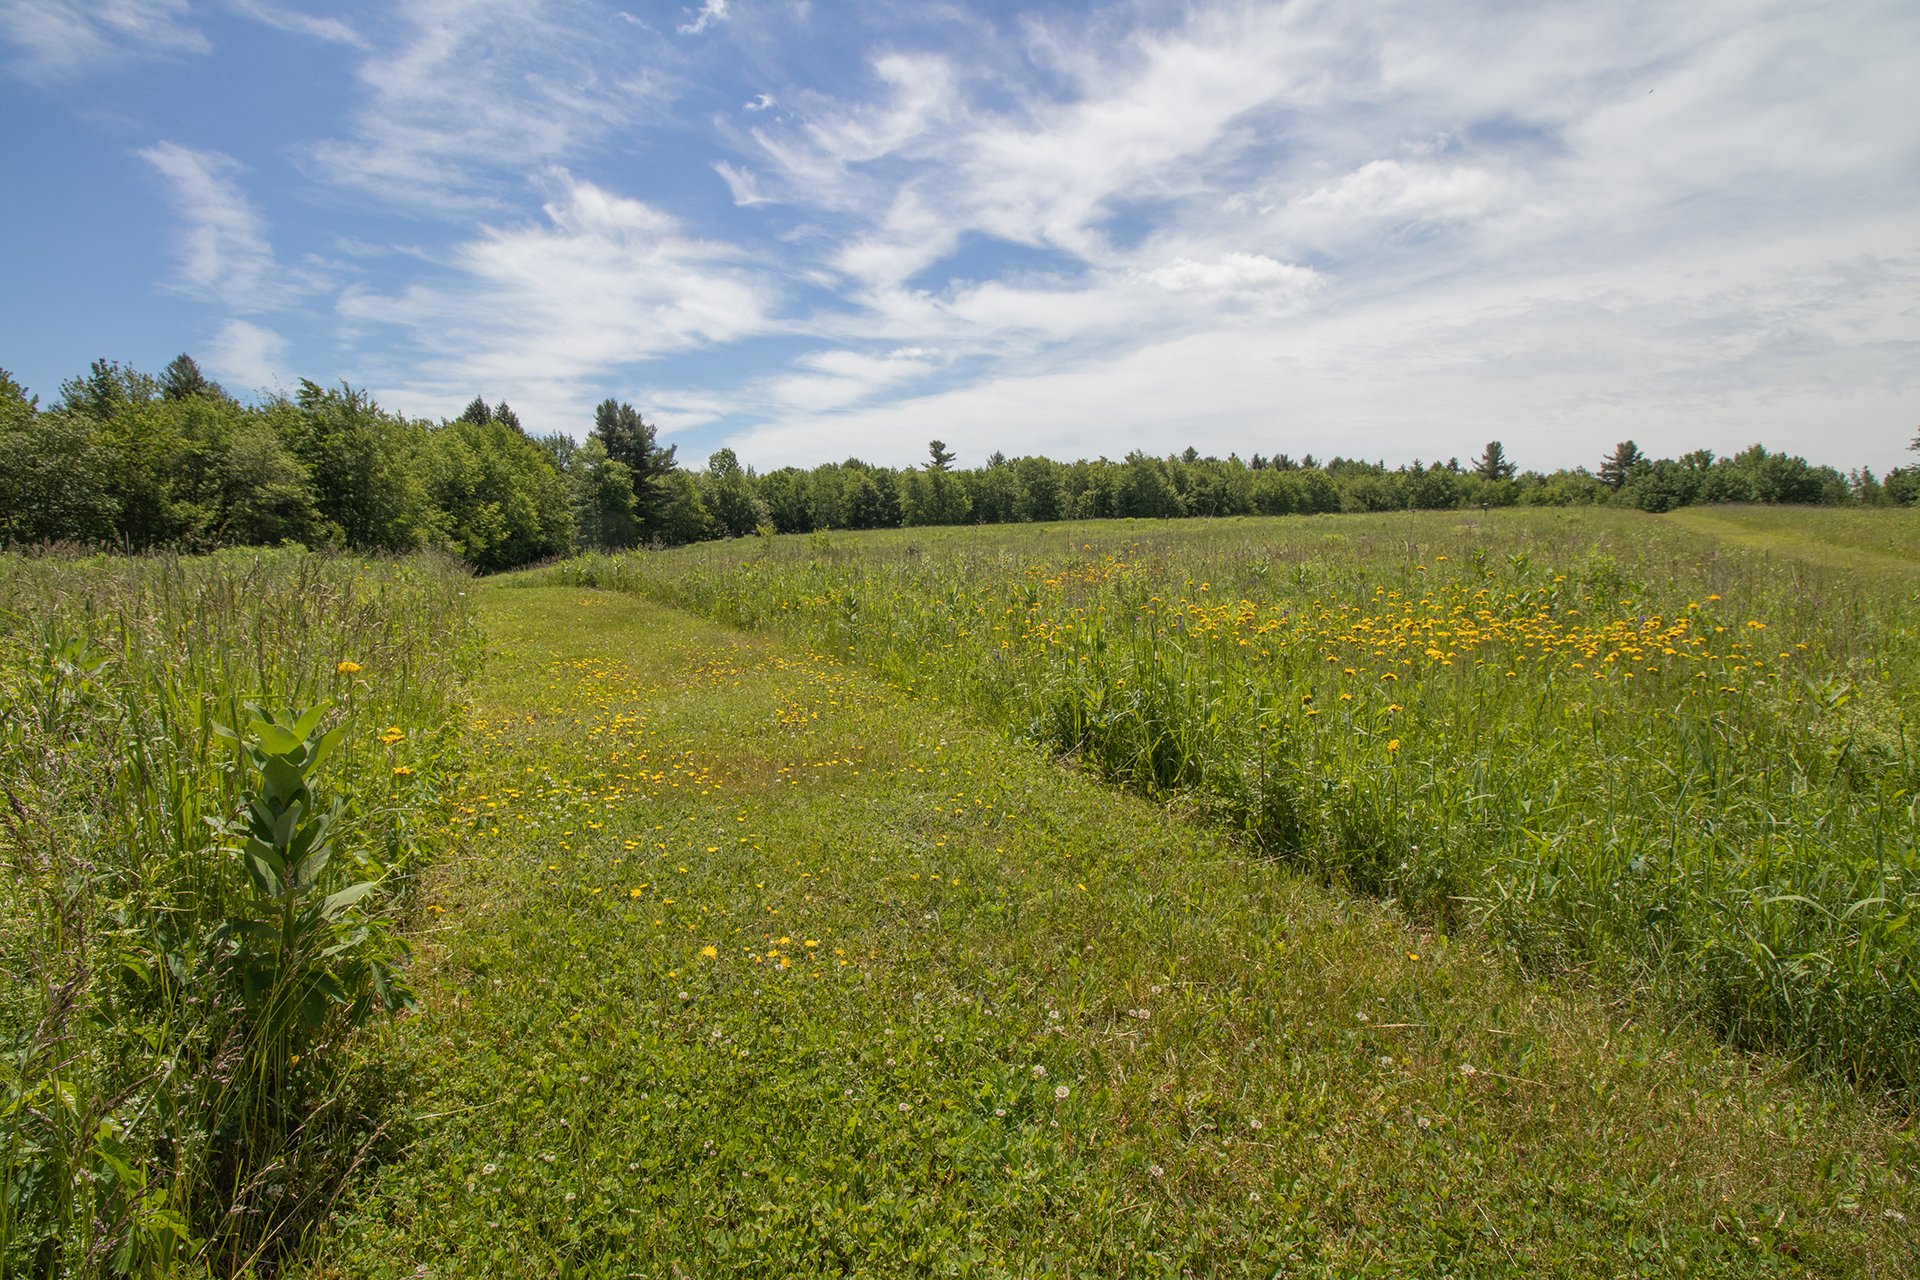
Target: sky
810, 230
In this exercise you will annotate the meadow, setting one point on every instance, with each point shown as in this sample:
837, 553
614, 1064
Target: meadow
219, 775
750, 963
1676, 755
1026, 902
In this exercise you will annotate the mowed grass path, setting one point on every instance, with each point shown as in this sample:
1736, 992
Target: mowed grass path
750, 965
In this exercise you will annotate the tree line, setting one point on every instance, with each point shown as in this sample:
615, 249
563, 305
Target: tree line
130, 460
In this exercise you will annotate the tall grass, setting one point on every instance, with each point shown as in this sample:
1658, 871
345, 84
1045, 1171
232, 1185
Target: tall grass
174, 1082
1618, 745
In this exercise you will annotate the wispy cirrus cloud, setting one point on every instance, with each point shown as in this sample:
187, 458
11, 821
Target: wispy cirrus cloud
224, 253
781, 225
56, 39
285, 17
1222, 197
711, 13
460, 99
602, 282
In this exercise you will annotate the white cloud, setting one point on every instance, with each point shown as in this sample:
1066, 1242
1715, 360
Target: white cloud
284, 18
59, 38
1383, 216
835, 379
741, 182
711, 12
469, 90
1236, 273
245, 355
223, 250
545, 308
1388, 189
1752, 342
1401, 226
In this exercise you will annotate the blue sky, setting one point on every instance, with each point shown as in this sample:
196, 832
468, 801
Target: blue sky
812, 230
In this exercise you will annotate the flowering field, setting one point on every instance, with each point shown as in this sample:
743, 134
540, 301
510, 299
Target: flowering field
653, 946
750, 964
1611, 742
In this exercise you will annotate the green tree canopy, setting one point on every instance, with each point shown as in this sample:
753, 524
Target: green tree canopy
499, 500
631, 440
1621, 465
1493, 463
182, 379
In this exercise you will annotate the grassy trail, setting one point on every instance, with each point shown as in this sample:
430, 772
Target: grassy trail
1837, 539
751, 965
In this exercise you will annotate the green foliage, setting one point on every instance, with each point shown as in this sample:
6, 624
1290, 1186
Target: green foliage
1614, 745
306, 953
1623, 464
182, 380
932, 495
606, 511
632, 442
190, 933
682, 515
202, 472
498, 501
107, 390
1493, 463
54, 487
1048, 1028
731, 497
363, 466
175, 462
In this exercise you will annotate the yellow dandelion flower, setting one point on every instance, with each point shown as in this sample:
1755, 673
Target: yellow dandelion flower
710, 952
346, 668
